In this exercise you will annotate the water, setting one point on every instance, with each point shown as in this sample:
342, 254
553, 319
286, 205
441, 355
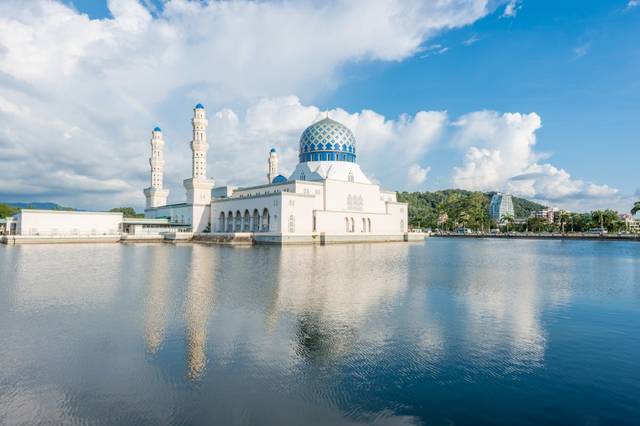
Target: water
452, 331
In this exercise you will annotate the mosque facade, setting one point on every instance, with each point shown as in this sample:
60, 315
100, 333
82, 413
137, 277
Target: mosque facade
326, 198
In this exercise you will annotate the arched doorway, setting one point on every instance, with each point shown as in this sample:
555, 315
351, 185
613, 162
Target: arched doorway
230, 221
265, 220
246, 221
256, 220
238, 222
221, 222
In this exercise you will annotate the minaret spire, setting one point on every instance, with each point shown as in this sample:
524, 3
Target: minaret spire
198, 186
156, 195
273, 165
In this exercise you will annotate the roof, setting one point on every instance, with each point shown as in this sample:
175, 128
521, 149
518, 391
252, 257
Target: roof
199, 106
157, 129
279, 179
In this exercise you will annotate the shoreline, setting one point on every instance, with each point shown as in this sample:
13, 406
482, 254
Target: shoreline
533, 236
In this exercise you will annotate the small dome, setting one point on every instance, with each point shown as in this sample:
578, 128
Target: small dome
157, 129
199, 106
273, 150
327, 140
279, 179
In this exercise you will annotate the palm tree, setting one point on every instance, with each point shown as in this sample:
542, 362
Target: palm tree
636, 207
508, 220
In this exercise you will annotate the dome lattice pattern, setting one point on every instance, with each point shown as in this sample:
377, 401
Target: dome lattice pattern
327, 140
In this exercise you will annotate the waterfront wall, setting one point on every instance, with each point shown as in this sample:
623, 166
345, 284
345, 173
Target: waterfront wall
532, 236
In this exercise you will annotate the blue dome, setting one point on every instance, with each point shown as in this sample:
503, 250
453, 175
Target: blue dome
157, 129
199, 106
273, 150
279, 179
327, 140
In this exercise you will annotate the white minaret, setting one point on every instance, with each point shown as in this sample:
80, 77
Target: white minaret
198, 186
273, 165
155, 194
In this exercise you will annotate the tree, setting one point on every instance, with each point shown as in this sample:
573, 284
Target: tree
7, 210
508, 219
127, 212
636, 207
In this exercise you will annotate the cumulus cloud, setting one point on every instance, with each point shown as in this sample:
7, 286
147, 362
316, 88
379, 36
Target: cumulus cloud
79, 95
632, 4
387, 147
417, 175
500, 155
511, 9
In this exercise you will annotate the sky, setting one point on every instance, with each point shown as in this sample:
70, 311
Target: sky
538, 98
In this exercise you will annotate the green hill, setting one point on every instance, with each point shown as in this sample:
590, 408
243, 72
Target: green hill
460, 206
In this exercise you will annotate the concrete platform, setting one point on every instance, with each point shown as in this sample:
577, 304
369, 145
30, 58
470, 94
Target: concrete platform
63, 239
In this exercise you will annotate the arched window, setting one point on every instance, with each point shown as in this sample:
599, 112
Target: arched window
256, 220
221, 222
350, 177
320, 147
292, 224
265, 220
302, 176
402, 226
364, 225
348, 228
238, 223
353, 225
230, 222
369, 224
246, 221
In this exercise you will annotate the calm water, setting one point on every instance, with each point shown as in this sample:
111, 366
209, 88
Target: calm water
447, 332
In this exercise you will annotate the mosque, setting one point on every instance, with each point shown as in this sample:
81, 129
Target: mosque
326, 199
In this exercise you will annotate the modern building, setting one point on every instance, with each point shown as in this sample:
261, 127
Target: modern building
547, 214
500, 206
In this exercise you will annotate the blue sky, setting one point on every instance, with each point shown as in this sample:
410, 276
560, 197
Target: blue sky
536, 97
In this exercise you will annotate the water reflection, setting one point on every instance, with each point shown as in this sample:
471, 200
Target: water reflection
388, 333
198, 306
157, 303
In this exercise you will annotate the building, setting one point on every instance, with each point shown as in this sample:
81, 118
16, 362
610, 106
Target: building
631, 224
500, 206
327, 198
547, 214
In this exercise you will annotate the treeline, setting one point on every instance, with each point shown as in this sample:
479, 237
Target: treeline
455, 208
7, 211
460, 208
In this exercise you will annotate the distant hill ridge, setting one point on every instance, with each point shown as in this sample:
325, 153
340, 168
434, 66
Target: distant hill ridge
44, 205
470, 207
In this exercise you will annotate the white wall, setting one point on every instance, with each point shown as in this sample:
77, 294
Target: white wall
272, 202
54, 222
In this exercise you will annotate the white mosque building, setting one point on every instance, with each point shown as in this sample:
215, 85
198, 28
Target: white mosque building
326, 199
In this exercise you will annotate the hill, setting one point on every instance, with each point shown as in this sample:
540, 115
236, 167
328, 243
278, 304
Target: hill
10, 208
460, 206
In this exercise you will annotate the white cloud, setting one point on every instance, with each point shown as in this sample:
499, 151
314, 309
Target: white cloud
387, 147
471, 40
500, 155
511, 9
632, 4
417, 175
78, 95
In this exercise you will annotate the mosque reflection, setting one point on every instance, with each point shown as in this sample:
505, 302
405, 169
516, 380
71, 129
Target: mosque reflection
319, 305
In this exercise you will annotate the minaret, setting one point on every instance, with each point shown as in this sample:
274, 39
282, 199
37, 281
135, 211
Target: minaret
198, 186
155, 194
273, 165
